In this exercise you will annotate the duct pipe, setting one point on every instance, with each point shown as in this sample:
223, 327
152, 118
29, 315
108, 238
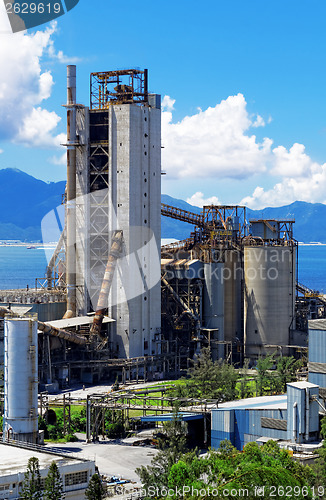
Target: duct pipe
56, 332
183, 304
307, 414
295, 421
71, 193
62, 334
50, 267
102, 303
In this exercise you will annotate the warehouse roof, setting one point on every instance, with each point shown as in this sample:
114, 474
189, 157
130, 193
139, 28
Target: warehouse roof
259, 403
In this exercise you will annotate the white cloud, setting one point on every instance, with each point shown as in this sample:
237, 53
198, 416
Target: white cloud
198, 200
168, 103
24, 86
60, 56
214, 142
37, 127
302, 179
59, 160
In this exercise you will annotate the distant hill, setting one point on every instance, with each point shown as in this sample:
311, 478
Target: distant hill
24, 201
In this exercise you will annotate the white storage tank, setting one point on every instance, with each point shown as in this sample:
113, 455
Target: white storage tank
269, 298
20, 380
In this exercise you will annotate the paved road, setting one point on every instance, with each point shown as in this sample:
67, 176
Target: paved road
113, 459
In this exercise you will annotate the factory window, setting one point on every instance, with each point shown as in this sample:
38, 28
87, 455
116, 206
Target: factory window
76, 478
145, 180
145, 221
145, 119
145, 194
4, 487
145, 153
145, 298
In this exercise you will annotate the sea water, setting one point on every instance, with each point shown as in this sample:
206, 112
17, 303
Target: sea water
21, 266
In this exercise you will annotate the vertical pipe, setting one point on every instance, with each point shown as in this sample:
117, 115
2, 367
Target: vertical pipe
71, 192
307, 414
295, 421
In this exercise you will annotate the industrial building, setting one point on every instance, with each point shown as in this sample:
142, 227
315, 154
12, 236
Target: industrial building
292, 417
317, 355
75, 473
125, 307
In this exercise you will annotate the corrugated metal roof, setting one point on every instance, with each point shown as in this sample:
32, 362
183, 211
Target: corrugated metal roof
302, 385
317, 324
169, 416
78, 321
261, 402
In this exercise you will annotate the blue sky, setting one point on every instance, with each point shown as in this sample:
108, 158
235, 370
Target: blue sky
245, 117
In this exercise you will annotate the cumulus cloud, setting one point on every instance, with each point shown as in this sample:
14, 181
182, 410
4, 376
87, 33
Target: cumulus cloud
218, 143
23, 88
168, 103
198, 200
302, 179
214, 142
37, 128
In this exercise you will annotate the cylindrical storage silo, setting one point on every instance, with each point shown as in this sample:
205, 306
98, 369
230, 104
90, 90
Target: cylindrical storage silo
269, 299
20, 380
213, 306
233, 309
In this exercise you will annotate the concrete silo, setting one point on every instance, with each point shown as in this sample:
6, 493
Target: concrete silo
270, 280
20, 380
213, 306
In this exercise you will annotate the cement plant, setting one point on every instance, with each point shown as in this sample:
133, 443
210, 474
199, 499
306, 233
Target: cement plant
115, 309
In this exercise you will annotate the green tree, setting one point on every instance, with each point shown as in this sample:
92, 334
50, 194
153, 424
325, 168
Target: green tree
264, 378
31, 488
255, 470
212, 379
95, 489
53, 484
173, 446
245, 390
286, 370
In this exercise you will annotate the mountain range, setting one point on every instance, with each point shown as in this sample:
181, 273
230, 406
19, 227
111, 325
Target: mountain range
24, 201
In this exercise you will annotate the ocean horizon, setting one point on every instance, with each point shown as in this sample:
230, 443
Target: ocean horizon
21, 266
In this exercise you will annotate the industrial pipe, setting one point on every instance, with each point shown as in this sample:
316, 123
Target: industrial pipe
295, 421
62, 334
102, 303
71, 193
307, 412
56, 332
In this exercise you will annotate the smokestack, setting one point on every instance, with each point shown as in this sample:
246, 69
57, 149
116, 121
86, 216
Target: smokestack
71, 192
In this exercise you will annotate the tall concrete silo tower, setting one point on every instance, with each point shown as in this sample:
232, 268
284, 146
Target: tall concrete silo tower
270, 280
114, 166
